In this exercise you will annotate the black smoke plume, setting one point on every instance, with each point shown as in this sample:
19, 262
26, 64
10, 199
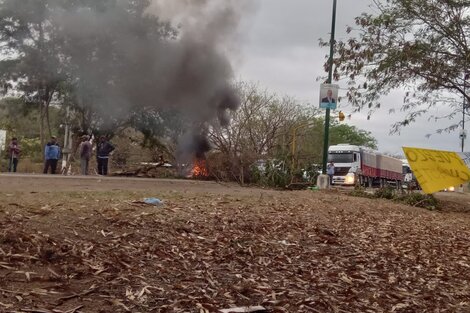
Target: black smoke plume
125, 55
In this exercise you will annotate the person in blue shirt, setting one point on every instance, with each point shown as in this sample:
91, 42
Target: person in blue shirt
52, 155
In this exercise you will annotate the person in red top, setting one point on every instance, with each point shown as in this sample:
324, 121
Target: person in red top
14, 154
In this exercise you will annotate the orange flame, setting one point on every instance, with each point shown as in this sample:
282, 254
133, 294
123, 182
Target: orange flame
200, 169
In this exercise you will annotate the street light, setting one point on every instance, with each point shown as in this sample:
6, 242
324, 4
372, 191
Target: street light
330, 78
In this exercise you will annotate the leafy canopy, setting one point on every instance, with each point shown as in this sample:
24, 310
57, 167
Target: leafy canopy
421, 46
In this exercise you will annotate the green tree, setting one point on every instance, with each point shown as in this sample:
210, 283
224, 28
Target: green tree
259, 129
79, 53
421, 46
276, 129
343, 133
31, 54
309, 147
161, 129
19, 119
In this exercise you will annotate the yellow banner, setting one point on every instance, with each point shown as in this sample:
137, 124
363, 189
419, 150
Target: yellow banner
436, 170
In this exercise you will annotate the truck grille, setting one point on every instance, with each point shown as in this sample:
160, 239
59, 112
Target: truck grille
342, 171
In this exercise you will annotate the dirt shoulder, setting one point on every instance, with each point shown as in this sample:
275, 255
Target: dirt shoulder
89, 245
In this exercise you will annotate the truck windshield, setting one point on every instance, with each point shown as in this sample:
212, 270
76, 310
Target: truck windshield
341, 157
406, 169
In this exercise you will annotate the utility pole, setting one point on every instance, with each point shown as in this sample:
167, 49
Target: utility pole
330, 79
67, 150
463, 136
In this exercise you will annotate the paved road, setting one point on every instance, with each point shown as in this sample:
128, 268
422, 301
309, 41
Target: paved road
46, 183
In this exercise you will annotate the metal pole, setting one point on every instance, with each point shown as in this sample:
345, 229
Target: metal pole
294, 143
463, 108
330, 78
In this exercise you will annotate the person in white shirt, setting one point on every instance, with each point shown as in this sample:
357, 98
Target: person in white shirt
331, 171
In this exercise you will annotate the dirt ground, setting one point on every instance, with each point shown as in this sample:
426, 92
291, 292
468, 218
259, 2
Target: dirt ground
70, 244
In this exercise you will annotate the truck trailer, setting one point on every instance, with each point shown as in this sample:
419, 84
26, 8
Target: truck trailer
355, 165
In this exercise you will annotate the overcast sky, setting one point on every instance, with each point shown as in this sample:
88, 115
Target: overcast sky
281, 53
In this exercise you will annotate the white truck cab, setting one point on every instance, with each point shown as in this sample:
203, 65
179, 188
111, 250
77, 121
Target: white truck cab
347, 161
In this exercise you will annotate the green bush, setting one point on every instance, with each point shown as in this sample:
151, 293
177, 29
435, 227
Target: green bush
30, 149
361, 192
311, 173
385, 193
274, 174
415, 199
419, 200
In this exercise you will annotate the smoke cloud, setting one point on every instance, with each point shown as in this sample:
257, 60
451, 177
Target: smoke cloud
123, 61
212, 22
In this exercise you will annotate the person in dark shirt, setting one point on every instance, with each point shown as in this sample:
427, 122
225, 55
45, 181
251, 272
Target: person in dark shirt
102, 155
14, 155
85, 151
329, 97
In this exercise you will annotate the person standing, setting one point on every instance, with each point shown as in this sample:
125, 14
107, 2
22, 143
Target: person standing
331, 172
52, 155
102, 155
85, 150
14, 155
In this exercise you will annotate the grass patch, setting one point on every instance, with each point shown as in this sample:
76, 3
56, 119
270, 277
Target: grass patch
413, 199
362, 193
419, 200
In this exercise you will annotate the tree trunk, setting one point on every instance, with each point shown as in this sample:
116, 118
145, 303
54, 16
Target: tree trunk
41, 124
49, 95
48, 122
242, 173
40, 90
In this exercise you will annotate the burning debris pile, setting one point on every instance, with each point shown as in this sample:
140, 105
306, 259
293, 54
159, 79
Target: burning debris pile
149, 171
200, 169
193, 153
194, 167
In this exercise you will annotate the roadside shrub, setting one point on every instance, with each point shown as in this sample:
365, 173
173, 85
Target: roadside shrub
273, 174
26, 165
257, 174
311, 173
385, 193
419, 200
30, 148
361, 192
415, 199
218, 165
